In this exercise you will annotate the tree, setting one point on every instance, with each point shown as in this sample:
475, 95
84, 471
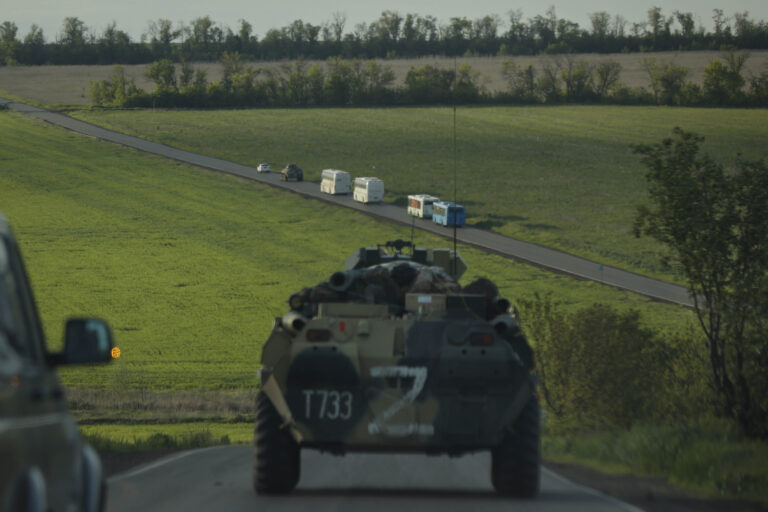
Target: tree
519, 31
339, 82
294, 83
72, 32
520, 81
658, 26
713, 223
544, 28
244, 37
619, 26
758, 85
34, 46
315, 80
337, 25
8, 43
375, 79
601, 22
162, 35
721, 23
577, 77
389, 25
723, 81
232, 64
203, 33
429, 84
73, 39
667, 80
115, 91
687, 25
456, 35
484, 34
548, 84
606, 77
465, 86
163, 73
114, 44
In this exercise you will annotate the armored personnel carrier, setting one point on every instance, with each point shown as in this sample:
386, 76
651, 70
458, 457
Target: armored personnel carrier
393, 355
292, 172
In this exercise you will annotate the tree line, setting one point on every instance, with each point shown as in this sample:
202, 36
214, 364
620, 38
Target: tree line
343, 82
391, 35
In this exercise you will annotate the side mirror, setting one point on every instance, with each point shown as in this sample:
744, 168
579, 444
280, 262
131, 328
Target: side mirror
86, 340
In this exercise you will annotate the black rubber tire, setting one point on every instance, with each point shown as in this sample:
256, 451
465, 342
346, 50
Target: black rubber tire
102, 504
277, 461
516, 462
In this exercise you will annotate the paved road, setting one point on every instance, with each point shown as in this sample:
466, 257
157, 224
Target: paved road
220, 479
523, 251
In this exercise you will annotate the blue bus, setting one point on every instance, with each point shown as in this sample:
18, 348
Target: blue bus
448, 213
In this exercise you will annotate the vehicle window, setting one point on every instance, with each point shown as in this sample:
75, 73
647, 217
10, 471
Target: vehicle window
15, 318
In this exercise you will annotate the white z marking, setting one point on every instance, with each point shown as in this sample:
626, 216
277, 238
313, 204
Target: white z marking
378, 425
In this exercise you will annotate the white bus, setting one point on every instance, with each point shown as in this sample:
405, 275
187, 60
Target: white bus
420, 205
334, 182
368, 190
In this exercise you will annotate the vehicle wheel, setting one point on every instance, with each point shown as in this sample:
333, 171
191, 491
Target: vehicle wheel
515, 463
276, 463
27, 493
102, 502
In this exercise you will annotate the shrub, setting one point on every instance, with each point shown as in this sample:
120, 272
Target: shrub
597, 368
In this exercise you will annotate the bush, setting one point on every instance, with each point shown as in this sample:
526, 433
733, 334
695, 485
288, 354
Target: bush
115, 91
597, 368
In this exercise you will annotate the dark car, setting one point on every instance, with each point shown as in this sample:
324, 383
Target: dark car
44, 463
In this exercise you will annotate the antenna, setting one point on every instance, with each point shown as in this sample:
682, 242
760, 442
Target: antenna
413, 226
453, 96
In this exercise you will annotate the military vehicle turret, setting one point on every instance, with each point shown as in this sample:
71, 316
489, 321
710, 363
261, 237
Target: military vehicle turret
393, 355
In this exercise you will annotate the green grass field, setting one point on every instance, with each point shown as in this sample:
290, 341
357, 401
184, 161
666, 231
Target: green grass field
560, 176
190, 266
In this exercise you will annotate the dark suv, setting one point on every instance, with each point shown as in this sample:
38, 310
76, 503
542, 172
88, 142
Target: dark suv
44, 463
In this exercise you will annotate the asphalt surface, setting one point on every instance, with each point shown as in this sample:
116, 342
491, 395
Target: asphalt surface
505, 246
220, 479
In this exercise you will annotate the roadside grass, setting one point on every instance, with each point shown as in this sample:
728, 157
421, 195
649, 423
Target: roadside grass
34, 102
564, 177
708, 458
170, 436
190, 267
94, 406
